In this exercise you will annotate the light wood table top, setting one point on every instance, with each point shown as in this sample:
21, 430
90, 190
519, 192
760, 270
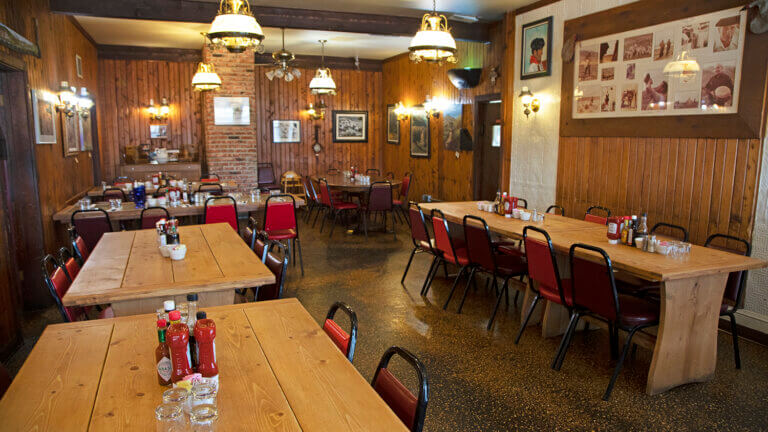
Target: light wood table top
127, 265
98, 191
342, 182
278, 371
128, 210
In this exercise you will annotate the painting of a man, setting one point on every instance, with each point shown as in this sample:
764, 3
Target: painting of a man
536, 49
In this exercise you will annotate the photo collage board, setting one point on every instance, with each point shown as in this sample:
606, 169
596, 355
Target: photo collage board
622, 75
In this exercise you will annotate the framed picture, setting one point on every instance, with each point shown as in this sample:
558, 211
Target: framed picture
452, 127
69, 135
231, 111
158, 131
85, 125
350, 126
286, 131
536, 49
79, 66
419, 133
393, 125
45, 118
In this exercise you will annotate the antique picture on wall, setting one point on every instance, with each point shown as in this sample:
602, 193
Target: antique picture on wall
158, 131
588, 63
452, 127
45, 118
79, 66
69, 135
638, 47
536, 49
420, 147
86, 134
286, 131
231, 111
717, 84
727, 37
350, 126
393, 125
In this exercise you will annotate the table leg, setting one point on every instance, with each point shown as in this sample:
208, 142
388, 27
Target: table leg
150, 305
686, 345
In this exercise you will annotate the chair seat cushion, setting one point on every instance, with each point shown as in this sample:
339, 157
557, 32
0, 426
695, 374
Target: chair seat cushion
461, 258
551, 293
508, 248
345, 205
282, 234
508, 265
636, 311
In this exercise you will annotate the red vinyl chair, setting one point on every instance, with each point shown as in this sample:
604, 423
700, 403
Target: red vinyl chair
211, 178
379, 200
58, 282
590, 216
218, 213
279, 267
420, 238
402, 196
543, 275
594, 294
448, 251
410, 409
483, 257
280, 224
78, 246
69, 263
267, 180
345, 341
338, 208
91, 225
151, 215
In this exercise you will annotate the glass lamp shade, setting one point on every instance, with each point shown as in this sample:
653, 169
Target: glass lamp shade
433, 42
323, 83
84, 102
206, 78
235, 32
67, 95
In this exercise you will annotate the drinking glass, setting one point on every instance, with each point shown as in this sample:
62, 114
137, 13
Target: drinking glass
203, 418
179, 396
169, 418
203, 394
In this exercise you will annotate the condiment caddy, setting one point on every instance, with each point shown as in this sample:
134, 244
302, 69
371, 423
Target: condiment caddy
631, 231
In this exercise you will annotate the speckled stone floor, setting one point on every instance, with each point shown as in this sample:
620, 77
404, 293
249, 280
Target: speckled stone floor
481, 381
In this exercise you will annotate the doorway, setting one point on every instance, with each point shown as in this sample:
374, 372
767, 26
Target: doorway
487, 153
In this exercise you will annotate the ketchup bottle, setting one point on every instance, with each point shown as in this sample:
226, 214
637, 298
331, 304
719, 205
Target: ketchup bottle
205, 335
614, 229
178, 342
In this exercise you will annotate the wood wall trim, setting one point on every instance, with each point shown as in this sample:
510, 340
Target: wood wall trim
508, 96
120, 52
313, 62
747, 123
533, 6
195, 11
77, 25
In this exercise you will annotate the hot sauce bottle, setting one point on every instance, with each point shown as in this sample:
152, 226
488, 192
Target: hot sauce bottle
178, 342
162, 356
205, 335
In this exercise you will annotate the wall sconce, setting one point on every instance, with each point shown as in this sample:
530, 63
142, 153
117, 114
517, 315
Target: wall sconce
317, 112
530, 102
433, 106
67, 102
161, 112
84, 103
401, 111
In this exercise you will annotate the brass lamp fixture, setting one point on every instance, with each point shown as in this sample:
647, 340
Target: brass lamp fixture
433, 106
206, 78
530, 102
323, 82
84, 103
282, 69
67, 99
401, 111
159, 112
235, 28
317, 112
433, 42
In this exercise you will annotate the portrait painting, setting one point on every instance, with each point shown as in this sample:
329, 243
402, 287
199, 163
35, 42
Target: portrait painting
420, 133
536, 49
350, 126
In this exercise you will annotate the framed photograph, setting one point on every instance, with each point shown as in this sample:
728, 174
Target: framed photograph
45, 118
231, 111
286, 131
452, 127
536, 49
350, 126
393, 125
79, 66
69, 135
85, 125
419, 133
158, 131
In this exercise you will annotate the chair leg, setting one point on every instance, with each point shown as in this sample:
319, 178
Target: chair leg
527, 318
431, 275
408, 266
394, 229
325, 216
498, 300
735, 335
333, 225
445, 269
557, 362
366, 215
616, 371
466, 288
613, 335
301, 258
453, 288
292, 250
517, 294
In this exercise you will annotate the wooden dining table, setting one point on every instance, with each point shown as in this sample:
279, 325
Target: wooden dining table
345, 184
278, 371
692, 287
126, 270
98, 191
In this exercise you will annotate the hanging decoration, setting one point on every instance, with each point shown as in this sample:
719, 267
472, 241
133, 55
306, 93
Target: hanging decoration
282, 70
433, 42
235, 28
323, 82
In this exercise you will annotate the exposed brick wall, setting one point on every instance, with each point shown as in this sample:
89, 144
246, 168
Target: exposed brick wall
230, 151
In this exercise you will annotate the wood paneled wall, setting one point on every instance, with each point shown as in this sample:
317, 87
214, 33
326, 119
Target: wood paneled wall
705, 185
442, 175
281, 100
125, 88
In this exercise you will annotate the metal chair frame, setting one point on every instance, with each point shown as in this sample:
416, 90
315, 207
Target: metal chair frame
421, 371
347, 309
295, 243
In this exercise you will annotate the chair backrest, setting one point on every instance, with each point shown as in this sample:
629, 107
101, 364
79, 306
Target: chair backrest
58, 283
419, 232
405, 187
266, 173
211, 188
542, 265
374, 172
249, 233
280, 213
78, 246
554, 208
443, 240
345, 341
278, 265
69, 263
390, 175
597, 218
306, 183
409, 408
325, 192
592, 283
522, 203
479, 245
681, 232
734, 287
380, 196
91, 225
122, 179
113, 193
261, 245
211, 178
218, 213
150, 216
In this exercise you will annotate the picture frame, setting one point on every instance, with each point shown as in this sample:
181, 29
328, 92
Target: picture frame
231, 111
69, 136
393, 125
44, 118
79, 66
350, 126
536, 58
452, 127
419, 133
286, 131
85, 126
158, 131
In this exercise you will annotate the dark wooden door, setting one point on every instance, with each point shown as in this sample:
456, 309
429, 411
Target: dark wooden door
488, 157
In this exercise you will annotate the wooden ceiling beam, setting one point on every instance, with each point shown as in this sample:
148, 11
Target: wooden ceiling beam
119, 52
195, 11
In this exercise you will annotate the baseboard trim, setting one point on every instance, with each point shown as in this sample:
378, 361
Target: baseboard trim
750, 326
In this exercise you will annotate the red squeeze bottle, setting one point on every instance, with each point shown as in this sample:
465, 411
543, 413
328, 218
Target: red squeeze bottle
614, 229
178, 341
205, 335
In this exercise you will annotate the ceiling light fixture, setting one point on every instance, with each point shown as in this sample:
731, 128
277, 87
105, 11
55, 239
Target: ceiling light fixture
235, 28
433, 42
281, 69
206, 78
323, 83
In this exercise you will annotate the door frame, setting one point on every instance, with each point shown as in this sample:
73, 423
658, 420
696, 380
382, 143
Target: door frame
478, 150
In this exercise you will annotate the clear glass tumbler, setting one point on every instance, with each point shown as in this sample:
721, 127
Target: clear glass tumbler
203, 418
169, 418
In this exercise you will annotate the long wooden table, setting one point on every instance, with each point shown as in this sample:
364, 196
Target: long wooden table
692, 287
98, 191
126, 269
278, 371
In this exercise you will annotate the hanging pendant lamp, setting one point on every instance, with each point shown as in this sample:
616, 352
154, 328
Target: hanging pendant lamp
235, 28
433, 42
323, 83
205, 78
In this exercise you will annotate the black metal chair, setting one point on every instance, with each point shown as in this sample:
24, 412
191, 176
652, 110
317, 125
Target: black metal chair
373, 172
409, 408
249, 232
211, 188
591, 215
420, 238
68, 262
681, 230
218, 213
553, 209
113, 193
345, 341
91, 225
379, 200
150, 216
522, 203
279, 266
